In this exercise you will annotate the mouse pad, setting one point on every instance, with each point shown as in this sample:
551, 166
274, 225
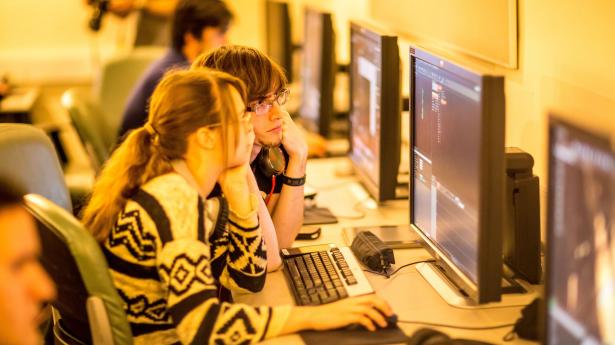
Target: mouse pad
355, 337
318, 215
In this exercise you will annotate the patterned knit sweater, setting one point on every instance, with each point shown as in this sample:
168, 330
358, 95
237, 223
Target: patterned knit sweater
167, 252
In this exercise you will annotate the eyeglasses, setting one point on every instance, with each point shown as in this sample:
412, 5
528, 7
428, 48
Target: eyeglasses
261, 108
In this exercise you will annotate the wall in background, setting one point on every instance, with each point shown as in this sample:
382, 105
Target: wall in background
483, 28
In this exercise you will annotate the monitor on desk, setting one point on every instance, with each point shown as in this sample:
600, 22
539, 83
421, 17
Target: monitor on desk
318, 72
457, 171
580, 287
375, 111
279, 40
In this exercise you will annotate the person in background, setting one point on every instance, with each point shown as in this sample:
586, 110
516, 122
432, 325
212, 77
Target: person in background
169, 248
198, 26
273, 126
24, 284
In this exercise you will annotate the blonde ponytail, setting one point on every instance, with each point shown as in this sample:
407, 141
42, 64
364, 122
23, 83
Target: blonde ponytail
135, 162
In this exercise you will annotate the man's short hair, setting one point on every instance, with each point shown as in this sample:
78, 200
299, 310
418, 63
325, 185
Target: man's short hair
259, 72
9, 195
192, 16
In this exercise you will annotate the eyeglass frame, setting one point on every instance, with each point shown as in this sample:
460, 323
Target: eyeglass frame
281, 97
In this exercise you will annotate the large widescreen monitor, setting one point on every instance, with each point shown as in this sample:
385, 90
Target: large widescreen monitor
375, 134
457, 170
580, 293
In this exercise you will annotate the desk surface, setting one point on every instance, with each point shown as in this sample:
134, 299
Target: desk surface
411, 297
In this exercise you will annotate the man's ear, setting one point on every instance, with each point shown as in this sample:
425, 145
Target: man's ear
206, 137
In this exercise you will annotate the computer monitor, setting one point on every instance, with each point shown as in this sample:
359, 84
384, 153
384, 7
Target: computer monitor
318, 71
580, 289
457, 174
279, 40
375, 120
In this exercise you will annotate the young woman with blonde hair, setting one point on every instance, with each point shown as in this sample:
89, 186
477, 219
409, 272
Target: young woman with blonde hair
169, 248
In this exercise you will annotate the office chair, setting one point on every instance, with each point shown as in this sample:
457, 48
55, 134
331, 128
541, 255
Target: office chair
30, 163
116, 81
88, 309
90, 125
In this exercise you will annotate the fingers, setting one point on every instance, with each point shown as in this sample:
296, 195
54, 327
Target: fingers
366, 322
382, 305
376, 303
374, 315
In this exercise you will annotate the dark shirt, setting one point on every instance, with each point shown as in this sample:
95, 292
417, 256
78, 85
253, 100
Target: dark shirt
135, 113
264, 182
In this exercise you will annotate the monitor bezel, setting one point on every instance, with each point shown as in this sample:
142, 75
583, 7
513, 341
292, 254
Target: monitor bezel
492, 169
390, 106
556, 120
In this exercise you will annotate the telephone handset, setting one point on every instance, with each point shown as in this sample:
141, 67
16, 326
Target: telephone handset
271, 161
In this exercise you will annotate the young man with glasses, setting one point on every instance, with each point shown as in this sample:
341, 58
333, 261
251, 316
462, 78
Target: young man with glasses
273, 127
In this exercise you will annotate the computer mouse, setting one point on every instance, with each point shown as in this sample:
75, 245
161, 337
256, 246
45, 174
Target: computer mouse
391, 323
428, 336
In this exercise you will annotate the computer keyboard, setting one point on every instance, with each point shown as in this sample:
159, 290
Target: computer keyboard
323, 274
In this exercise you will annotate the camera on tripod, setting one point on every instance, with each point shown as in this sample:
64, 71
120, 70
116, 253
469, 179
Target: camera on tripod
100, 8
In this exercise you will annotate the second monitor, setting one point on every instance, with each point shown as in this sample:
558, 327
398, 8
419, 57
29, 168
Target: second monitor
375, 120
457, 175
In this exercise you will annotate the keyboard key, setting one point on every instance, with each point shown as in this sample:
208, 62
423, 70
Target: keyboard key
323, 295
351, 281
329, 299
314, 300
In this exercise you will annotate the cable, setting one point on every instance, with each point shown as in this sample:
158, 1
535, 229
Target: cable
399, 268
456, 326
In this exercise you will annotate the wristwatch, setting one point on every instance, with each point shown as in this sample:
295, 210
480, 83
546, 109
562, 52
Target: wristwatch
290, 181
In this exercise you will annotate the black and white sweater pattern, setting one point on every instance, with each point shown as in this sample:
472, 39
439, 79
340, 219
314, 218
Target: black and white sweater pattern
168, 251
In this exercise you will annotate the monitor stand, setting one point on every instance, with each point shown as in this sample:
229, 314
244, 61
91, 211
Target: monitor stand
454, 297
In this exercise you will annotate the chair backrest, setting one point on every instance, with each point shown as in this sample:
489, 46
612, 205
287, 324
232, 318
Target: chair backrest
118, 77
75, 261
90, 124
30, 163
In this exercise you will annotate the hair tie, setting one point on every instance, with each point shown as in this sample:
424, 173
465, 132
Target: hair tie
152, 132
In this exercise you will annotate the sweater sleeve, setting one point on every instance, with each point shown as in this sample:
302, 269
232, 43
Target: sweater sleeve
198, 315
246, 259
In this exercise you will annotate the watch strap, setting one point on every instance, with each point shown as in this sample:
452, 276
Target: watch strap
291, 181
